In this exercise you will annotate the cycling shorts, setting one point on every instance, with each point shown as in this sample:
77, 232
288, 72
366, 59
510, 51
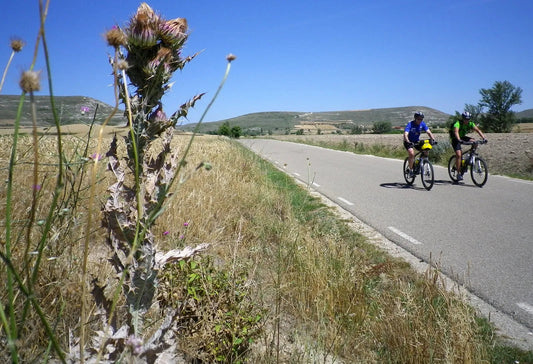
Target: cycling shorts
456, 145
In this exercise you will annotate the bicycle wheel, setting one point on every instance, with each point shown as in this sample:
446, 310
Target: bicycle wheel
479, 172
426, 173
452, 170
408, 178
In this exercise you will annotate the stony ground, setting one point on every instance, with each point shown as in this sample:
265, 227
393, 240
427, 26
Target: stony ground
505, 153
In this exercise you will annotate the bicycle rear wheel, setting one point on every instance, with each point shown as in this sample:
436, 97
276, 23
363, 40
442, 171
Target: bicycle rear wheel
479, 172
452, 170
426, 173
406, 175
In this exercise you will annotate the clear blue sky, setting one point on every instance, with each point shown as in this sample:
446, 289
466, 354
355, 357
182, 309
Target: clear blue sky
296, 55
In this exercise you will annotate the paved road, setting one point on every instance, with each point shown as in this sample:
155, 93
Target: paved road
481, 237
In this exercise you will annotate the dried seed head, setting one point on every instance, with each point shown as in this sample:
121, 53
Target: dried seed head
122, 65
231, 57
30, 81
17, 44
115, 37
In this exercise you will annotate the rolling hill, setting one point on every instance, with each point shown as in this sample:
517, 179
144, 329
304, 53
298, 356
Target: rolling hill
279, 122
70, 109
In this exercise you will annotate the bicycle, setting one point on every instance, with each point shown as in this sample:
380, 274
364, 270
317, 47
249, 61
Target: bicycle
478, 168
421, 165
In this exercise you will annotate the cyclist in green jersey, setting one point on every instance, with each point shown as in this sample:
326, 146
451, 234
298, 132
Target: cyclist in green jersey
458, 135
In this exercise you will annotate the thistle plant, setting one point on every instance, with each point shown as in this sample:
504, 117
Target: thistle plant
147, 53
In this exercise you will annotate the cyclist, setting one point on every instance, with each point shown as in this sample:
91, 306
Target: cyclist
411, 136
458, 132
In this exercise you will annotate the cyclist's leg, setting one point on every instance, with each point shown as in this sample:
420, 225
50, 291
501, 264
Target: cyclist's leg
458, 154
410, 154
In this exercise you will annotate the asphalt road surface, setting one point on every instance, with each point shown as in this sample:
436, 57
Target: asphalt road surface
480, 237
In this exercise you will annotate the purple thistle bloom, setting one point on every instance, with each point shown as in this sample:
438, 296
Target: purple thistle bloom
166, 232
37, 187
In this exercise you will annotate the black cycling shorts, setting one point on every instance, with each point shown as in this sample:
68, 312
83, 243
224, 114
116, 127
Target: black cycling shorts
456, 145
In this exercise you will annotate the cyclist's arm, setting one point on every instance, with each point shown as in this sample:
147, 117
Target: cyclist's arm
479, 132
406, 137
456, 133
430, 134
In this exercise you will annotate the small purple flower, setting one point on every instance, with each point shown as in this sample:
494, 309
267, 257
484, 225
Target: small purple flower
37, 187
84, 109
135, 344
96, 156
185, 224
182, 237
166, 232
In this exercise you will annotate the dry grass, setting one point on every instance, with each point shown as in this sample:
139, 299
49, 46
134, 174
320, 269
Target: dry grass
328, 295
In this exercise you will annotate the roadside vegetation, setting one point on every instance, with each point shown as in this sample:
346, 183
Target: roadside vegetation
159, 247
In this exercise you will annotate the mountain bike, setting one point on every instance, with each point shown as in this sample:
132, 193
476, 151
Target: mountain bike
478, 168
421, 166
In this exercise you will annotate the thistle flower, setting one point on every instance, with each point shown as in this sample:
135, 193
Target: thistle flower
115, 37
173, 32
158, 115
17, 44
30, 81
143, 28
164, 56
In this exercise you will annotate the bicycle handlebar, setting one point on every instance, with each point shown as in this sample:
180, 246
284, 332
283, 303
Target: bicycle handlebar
477, 142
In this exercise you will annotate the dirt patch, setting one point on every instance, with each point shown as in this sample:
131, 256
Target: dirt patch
505, 153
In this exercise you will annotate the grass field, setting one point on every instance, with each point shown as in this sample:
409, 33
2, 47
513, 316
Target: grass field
310, 287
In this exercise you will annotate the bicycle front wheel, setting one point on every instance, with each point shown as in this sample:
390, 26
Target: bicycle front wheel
479, 172
426, 173
452, 170
406, 175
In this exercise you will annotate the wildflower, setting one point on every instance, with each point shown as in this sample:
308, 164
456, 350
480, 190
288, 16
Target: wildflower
37, 187
166, 233
144, 27
173, 32
185, 224
163, 57
96, 156
231, 57
17, 44
84, 109
30, 81
115, 37
158, 115
135, 344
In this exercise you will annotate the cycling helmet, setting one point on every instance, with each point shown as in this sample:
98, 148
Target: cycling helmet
419, 114
466, 115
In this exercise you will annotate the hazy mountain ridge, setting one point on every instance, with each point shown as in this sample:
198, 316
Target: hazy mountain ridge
70, 110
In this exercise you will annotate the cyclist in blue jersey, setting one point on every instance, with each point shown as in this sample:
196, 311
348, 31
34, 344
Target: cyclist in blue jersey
458, 131
411, 136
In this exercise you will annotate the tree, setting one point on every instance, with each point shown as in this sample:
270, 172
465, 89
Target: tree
498, 100
224, 129
382, 127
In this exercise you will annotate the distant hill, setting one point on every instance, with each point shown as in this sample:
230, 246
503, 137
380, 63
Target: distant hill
70, 109
525, 114
279, 122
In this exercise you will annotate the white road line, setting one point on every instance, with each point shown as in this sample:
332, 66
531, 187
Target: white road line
404, 235
316, 184
526, 307
345, 201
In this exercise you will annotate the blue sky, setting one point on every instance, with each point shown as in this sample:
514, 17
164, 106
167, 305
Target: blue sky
294, 55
